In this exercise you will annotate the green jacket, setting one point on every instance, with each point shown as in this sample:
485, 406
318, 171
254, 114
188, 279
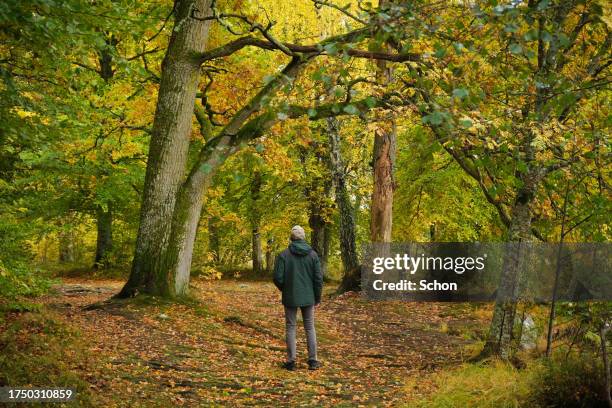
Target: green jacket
297, 273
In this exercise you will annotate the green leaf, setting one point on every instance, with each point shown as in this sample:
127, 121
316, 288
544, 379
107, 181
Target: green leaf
531, 35
440, 51
466, 123
317, 75
546, 36
312, 112
206, 168
515, 48
543, 4
338, 91
371, 102
351, 110
459, 47
511, 28
435, 118
331, 48
460, 93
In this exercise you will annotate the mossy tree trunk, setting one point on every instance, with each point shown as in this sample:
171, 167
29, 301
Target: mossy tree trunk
501, 338
348, 249
167, 159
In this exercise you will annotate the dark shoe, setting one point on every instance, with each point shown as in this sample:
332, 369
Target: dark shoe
313, 365
289, 365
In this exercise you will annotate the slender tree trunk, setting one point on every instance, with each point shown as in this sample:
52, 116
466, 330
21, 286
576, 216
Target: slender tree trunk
66, 247
500, 339
324, 258
104, 241
257, 252
166, 165
104, 219
214, 244
45, 249
256, 249
553, 302
270, 255
319, 205
351, 279
319, 238
66, 239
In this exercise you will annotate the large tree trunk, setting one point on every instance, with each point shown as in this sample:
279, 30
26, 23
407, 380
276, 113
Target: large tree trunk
104, 241
167, 158
381, 220
351, 278
501, 332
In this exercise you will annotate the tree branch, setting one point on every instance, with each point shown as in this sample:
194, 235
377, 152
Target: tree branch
319, 48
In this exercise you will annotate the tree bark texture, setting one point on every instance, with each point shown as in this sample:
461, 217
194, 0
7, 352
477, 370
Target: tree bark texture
351, 279
167, 159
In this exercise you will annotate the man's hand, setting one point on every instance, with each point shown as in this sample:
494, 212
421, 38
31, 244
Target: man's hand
317, 305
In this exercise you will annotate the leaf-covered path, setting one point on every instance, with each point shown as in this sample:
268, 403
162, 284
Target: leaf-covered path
224, 348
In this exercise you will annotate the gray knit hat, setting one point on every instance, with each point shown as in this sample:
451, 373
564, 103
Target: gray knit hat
297, 232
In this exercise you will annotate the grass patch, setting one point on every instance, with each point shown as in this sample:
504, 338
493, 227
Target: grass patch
40, 351
494, 385
575, 381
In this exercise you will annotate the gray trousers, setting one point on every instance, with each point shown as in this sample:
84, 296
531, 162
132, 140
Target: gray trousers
309, 328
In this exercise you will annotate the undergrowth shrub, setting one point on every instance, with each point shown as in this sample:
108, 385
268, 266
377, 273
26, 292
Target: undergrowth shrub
573, 382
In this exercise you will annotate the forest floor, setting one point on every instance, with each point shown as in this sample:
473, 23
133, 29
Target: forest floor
224, 346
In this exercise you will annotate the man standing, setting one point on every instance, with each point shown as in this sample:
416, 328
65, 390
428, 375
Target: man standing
297, 273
